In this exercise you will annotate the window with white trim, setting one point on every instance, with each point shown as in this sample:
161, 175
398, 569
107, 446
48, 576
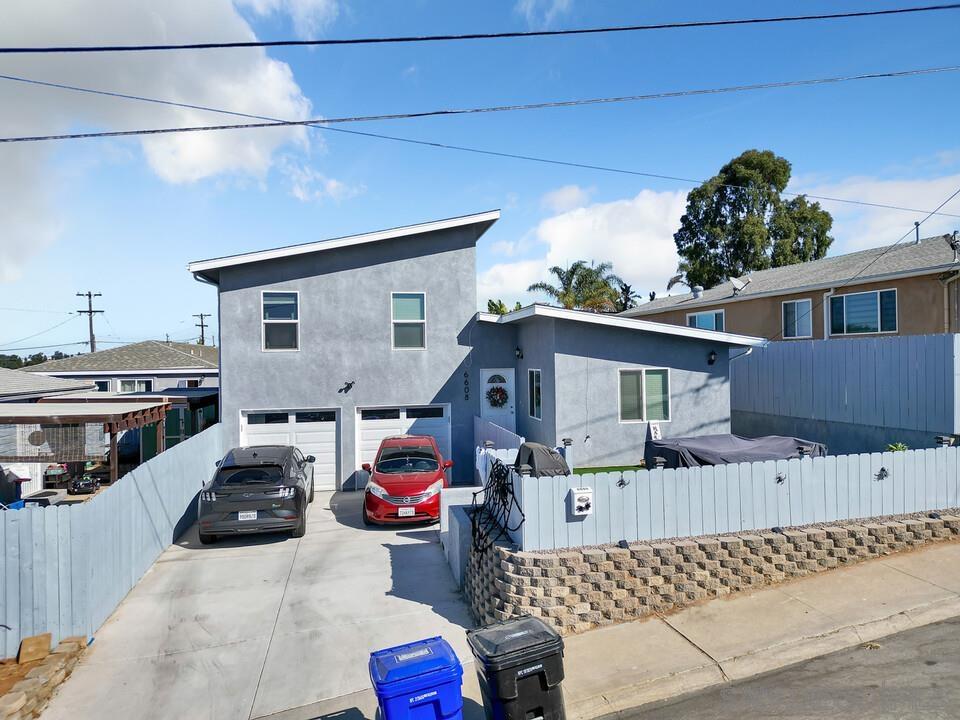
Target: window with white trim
534, 398
102, 385
409, 320
708, 320
645, 395
862, 313
131, 386
798, 319
281, 320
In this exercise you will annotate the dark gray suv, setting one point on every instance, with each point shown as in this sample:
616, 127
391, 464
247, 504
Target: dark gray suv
264, 488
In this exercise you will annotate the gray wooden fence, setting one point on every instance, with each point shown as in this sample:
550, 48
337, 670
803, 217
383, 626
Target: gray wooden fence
907, 382
65, 569
655, 504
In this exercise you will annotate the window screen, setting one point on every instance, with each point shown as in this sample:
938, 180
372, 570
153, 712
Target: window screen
631, 395
281, 321
409, 320
710, 320
657, 395
535, 408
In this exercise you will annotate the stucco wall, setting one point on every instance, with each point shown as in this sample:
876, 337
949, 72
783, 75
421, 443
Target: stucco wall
536, 338
587, 382
345, 335
920, 309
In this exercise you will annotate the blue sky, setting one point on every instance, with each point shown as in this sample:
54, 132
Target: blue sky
124, 217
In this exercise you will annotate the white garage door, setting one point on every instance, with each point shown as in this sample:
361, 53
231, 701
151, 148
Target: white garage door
313, 431
375, 424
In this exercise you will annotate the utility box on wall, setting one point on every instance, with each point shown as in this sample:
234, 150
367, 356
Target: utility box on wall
581, 501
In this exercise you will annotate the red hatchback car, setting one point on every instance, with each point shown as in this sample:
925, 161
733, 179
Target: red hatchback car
405, 481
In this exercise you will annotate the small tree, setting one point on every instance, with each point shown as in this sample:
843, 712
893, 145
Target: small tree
626, 298
498, 307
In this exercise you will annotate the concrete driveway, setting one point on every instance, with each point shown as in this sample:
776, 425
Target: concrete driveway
256, 626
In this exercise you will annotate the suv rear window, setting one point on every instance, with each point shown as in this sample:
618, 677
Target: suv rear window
262, 475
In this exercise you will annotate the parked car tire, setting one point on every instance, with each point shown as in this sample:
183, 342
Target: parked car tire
207, 539
301, 529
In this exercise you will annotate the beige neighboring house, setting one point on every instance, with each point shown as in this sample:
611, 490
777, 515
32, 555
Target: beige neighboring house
907, 289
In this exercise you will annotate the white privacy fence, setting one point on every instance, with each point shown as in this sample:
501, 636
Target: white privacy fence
65, 569
485, 431
655, 504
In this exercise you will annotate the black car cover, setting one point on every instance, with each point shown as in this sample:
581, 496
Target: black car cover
723, 449
542, 461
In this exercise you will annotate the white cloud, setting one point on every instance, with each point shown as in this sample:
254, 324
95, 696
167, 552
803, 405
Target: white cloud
509, 282
310, 17
857, 227
566, 198
542, 13
307, 183
241, 80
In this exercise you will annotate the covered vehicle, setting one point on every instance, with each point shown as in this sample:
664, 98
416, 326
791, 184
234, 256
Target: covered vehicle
725, 449
405, 481
540, 461
263, 488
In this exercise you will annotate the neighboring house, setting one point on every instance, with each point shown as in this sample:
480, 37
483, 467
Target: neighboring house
334, 345
907, 289
147, 366
21, 386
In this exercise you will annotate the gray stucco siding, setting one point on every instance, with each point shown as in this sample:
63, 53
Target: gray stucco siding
345, 336
536, 339
588, 361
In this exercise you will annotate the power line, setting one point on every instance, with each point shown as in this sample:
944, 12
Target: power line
859, 273
43, 332
34, 310
446, 146
475, 36
43, 347
478, 110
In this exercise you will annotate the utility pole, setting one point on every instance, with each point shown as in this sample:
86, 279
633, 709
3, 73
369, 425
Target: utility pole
90, 312
203, 326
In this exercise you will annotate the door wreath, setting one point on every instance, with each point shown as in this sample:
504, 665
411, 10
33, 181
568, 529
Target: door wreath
497, 396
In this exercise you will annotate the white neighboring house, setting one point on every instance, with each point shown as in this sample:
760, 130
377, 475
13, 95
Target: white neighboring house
148, 366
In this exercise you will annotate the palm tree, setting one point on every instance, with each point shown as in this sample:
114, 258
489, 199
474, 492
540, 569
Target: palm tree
498, 307
626, 298
581, 287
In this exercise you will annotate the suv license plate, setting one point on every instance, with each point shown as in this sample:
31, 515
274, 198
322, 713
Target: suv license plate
406, 512
247, 515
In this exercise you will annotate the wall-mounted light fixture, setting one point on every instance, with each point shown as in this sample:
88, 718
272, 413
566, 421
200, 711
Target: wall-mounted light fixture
519, 353
712, 357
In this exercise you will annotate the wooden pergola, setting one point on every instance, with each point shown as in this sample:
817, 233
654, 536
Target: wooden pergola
114, 416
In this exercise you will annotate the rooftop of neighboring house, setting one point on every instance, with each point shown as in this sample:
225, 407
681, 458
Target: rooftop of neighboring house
145, 355
22, 385
930, 255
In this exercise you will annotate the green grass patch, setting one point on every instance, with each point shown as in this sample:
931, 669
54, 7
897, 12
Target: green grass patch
605, 469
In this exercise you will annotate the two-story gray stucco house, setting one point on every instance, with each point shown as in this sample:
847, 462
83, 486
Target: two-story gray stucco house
334, 345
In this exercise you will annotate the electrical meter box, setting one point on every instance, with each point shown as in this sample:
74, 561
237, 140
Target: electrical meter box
581, 501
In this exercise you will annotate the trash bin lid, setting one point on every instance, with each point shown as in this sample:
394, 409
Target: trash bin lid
414, 659
517, 636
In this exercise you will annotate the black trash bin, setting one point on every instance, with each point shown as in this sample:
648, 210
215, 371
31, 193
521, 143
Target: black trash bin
520, 667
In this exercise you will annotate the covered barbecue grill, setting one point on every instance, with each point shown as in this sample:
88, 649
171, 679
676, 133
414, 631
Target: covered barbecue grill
540, 461
723, 449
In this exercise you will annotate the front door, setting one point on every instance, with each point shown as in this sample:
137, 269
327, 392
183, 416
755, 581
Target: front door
498, 400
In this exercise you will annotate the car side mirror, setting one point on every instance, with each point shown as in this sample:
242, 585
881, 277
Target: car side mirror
447, 464
217, 463
310, 459
366, 467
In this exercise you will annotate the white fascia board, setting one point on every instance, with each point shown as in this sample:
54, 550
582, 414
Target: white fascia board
132, 373
862, 280
292, 250
631, 324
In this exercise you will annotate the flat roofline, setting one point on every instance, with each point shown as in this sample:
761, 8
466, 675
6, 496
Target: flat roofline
200, 267
621, 322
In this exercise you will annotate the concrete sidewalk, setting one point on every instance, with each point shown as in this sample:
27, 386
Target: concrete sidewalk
620, 667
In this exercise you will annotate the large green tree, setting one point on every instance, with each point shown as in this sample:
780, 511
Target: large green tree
738, 221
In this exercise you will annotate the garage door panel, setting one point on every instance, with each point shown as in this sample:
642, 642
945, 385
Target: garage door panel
371, 432
312, 438
271, 437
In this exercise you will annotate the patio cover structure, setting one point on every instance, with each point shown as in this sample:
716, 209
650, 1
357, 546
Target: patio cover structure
61, 431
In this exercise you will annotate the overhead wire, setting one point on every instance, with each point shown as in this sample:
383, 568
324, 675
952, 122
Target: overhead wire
42, 332
474, 110
437, 145
475, 35
44, 347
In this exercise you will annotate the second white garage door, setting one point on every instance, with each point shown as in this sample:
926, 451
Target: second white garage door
375, 424
313, 431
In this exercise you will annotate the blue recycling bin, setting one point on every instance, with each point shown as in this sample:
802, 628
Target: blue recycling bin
418, 681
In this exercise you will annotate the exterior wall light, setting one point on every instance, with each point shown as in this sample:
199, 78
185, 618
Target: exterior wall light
519, 353
712, 357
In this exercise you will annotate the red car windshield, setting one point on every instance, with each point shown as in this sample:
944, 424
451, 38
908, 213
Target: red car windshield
407, 459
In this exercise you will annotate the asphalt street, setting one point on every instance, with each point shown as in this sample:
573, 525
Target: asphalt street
915, 674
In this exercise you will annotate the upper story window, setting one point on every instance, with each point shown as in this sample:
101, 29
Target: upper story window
131, 386
709, 320
645, 395
535, 407
798, 319
860, 313
281, 321
409, 320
